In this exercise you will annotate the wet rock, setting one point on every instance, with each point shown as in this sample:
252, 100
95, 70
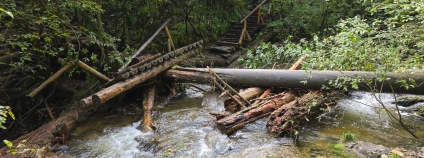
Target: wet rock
369, 149
59, 148
408, 100
217, 142
147, 143
222, 49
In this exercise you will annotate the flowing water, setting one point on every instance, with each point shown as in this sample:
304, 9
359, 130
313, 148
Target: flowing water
186, 129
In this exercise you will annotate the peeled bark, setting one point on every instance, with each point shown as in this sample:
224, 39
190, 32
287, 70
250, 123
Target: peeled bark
237, 120
148, 102
248, 94
297, 78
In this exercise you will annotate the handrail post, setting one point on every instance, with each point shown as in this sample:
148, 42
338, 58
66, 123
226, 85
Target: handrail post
243, 31
169, 37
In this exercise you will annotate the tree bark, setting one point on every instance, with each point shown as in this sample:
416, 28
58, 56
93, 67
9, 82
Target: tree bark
51, 133
148, 103
285, 120
296, 78
120, 87
248, 94
237, 120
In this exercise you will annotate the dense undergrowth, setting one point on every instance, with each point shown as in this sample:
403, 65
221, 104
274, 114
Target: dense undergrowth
387, 36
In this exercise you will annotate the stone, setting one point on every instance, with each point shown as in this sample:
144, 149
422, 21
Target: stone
222, 49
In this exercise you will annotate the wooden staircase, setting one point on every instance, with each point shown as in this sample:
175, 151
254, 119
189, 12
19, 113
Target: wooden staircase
243, 30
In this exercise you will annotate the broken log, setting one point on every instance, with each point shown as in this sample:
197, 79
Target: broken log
51, 79
248, 94
92, 71
148, 102
120, 87
237, 120
296, 78
286, 119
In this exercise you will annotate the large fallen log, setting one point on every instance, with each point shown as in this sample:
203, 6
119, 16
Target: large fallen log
120, 87
51, 133
237, 120
296, 78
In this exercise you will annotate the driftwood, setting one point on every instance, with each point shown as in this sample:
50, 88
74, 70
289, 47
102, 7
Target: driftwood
287, 118
250, 93
237, 120
148, 102
120, 87
295, 78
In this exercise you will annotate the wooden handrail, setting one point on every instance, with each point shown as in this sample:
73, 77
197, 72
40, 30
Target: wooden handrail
257, 7
144, 45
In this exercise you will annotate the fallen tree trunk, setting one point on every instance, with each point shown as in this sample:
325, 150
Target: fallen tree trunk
148, 102
248, 94
237, 120
120, 87
50, 133
286, 119
296, 78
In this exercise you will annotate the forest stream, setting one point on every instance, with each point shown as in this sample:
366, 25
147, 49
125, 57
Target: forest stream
186, 129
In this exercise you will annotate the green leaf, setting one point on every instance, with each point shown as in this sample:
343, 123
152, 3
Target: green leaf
8, 143
7, 12
11, 115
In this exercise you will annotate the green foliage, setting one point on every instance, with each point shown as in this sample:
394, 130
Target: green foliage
302, 18
338, 146
4, 112
348, 137
394, 156
421, 110
21, 148
7, 12
391, 40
